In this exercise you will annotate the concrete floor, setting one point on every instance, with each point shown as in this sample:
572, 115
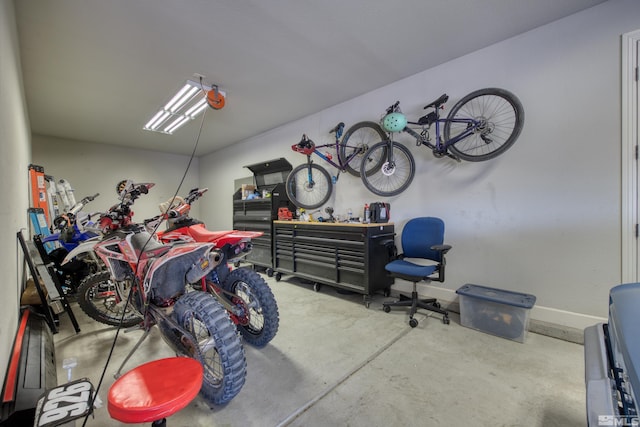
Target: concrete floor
336, 363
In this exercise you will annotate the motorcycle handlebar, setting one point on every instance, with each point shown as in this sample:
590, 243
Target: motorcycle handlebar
82, 203
195, 194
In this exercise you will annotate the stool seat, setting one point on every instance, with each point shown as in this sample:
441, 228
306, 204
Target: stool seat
155, 390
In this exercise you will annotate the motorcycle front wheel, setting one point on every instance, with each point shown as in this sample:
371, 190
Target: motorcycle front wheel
104, 300
259, 321
219, 347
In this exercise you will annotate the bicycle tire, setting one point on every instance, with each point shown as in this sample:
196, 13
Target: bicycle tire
390, 179
360, 137
503, 114
307, 196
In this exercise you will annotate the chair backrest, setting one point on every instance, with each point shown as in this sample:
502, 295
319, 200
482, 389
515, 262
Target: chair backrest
419, 234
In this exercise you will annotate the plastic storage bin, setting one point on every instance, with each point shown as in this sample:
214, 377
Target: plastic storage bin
495, 311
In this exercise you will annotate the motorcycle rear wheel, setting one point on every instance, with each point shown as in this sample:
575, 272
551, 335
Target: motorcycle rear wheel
220, 349
98, 297
263, 317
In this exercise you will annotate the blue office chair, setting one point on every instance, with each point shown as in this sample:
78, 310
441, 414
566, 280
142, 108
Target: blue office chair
422, 238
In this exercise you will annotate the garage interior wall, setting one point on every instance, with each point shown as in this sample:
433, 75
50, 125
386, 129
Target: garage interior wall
98, 168
15, 152
544, 218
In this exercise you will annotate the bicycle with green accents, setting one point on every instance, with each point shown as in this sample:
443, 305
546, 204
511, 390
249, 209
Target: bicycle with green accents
481, 126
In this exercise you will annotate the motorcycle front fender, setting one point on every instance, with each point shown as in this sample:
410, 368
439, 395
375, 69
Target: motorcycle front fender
83, 248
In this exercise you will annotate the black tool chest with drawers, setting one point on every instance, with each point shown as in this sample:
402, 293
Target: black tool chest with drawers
258, 214
347, 256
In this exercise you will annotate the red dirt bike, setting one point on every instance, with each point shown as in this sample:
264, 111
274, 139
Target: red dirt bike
151, 278
242, 291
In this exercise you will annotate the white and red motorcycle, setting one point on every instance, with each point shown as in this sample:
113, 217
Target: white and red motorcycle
242, 291
148, 282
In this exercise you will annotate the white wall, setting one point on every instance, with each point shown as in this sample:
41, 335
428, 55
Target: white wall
544, 218
14, 159
97, 168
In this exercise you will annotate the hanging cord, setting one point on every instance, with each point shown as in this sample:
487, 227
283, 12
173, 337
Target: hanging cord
126, 305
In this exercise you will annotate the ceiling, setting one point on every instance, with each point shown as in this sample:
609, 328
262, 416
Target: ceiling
97, 70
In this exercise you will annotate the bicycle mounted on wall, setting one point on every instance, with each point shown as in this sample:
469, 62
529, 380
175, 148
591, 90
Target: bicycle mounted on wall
309, 185
480, 126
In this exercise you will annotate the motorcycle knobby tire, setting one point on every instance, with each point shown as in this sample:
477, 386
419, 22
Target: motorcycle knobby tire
220, 348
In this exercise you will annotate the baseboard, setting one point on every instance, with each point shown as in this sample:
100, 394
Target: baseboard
561, 324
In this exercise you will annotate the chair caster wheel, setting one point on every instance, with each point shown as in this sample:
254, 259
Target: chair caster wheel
413, 323
386, 308
278, 276
445, 320
436, 304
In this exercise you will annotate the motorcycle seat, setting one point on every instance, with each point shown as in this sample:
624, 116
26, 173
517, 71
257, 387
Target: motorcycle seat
220, 238
152, 248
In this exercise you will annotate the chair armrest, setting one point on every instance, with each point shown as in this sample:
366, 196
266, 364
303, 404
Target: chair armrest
441, 248
390, 245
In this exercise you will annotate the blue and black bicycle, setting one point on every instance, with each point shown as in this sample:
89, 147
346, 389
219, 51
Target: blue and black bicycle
481, 126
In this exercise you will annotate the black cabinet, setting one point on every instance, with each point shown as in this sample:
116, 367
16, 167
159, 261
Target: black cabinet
257, 214
346, 256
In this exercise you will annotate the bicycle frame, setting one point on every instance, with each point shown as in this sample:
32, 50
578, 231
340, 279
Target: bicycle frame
342, 163
440, 146
310, 185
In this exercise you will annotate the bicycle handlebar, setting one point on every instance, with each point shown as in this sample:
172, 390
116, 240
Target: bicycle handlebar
394, 108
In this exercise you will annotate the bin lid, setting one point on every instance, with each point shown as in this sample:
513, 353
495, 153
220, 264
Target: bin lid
502, 296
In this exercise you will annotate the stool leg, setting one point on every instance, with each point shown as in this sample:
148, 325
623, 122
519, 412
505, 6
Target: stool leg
135, 347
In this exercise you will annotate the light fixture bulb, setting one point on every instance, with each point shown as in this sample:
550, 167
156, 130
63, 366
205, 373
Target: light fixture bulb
184, 106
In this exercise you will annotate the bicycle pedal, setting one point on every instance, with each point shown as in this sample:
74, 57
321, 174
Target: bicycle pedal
334, 179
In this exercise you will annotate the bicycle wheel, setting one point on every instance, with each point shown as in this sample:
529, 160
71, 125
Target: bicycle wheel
501, 118
309, 186
397, 171
358, 139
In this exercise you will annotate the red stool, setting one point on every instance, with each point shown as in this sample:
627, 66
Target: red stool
155, 390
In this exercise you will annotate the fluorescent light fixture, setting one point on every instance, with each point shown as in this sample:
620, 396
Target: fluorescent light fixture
183, 107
